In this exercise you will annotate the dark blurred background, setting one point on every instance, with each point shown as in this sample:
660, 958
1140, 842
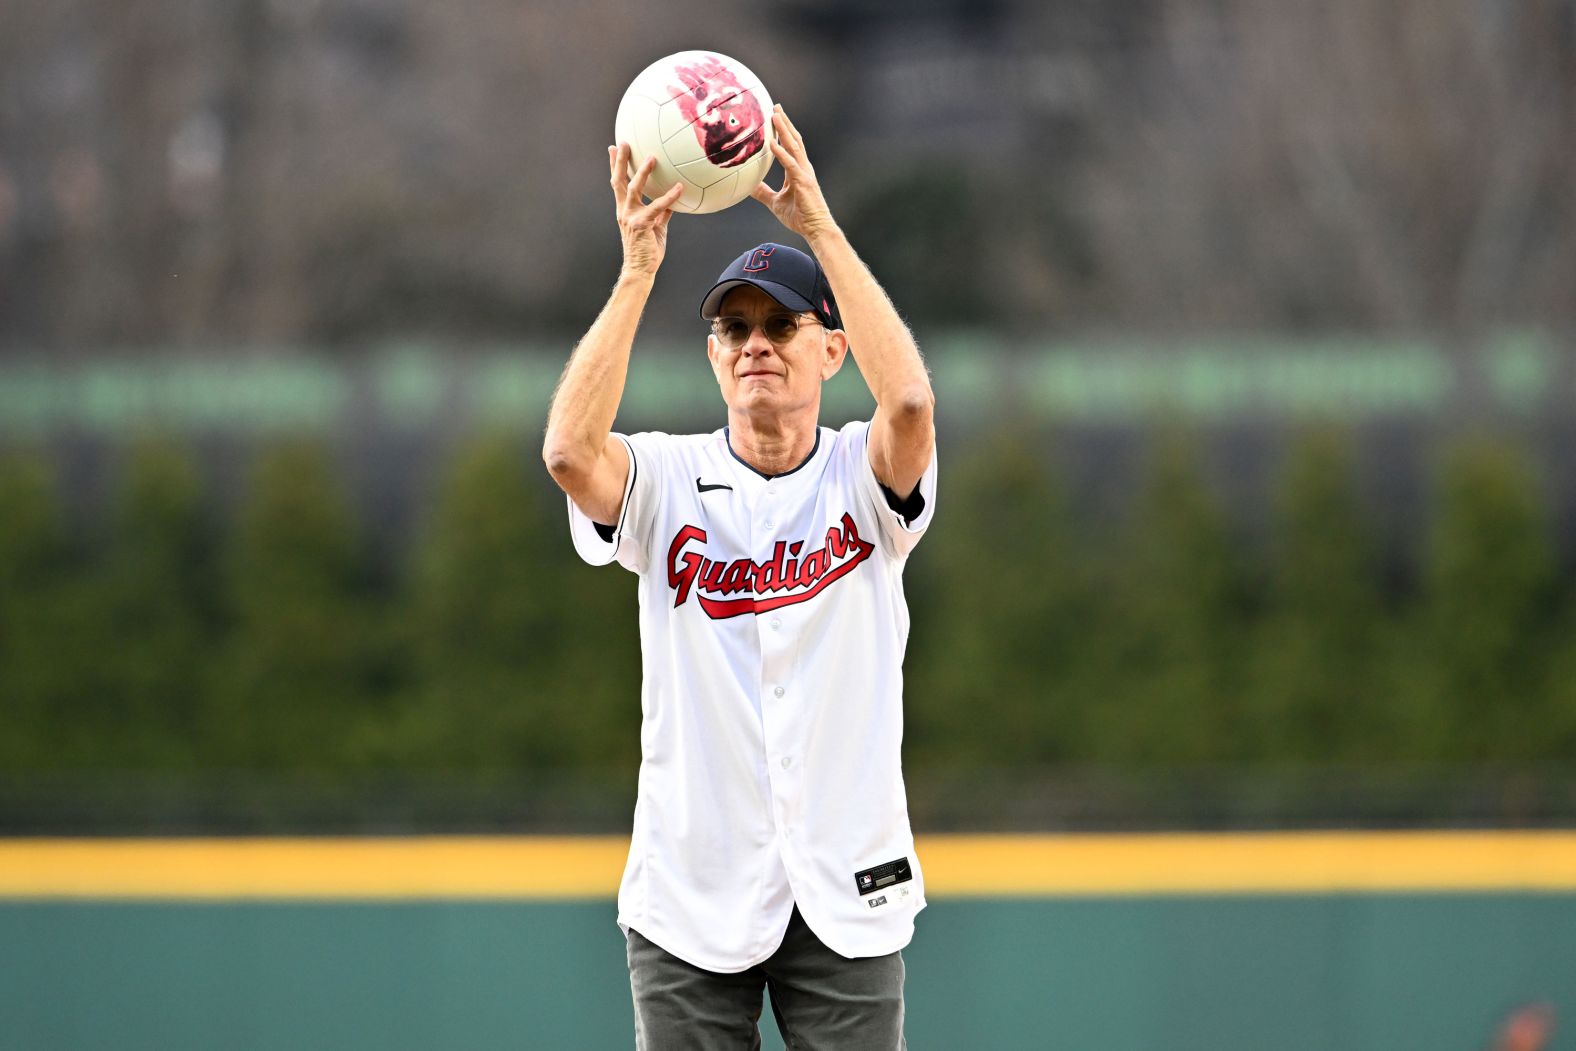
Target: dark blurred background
1252, 330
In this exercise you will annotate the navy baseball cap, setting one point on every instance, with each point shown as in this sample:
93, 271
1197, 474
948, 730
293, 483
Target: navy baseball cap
786, 274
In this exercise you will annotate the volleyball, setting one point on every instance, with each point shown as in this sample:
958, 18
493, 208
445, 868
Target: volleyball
708, 121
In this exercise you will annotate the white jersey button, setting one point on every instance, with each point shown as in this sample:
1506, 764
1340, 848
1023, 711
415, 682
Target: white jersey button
776, 623
778, 692
768, 523
787, 762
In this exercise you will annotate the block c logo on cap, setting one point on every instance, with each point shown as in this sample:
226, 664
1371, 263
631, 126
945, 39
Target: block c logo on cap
758, 259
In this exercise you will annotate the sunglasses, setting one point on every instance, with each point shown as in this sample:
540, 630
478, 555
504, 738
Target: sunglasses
732, 332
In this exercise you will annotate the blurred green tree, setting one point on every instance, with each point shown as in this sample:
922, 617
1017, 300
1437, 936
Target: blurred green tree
296, 678
1553, 737
514, 654
41, 651
997, 671
1171, 637
599, 675
1483, 630
1317, 690
150, 603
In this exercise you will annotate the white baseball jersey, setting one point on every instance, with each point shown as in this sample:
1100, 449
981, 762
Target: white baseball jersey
772, 630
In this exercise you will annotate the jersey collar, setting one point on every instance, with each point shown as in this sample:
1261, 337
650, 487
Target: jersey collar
810, 456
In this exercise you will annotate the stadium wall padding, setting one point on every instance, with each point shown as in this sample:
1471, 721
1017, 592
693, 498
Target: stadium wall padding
1192, 970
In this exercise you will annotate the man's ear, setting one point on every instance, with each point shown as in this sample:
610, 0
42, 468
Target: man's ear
836, 352
712, 355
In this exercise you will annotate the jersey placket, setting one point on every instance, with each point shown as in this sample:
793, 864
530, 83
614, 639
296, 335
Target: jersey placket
780, 724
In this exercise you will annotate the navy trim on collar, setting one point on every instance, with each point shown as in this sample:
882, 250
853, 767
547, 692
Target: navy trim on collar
813, 450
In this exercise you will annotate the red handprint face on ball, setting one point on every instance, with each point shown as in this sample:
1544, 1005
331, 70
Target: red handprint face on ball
724, 114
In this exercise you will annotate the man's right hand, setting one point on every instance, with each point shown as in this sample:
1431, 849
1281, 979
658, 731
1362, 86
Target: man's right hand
581, 453
644, 227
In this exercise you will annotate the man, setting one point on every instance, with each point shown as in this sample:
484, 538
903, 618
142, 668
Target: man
771, 846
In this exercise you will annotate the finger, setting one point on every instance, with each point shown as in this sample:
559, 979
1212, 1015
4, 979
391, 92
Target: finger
669, 199
789, 162
652, 211
792, 132
618, 160
765, 194
787, 152
781, 134
637, 185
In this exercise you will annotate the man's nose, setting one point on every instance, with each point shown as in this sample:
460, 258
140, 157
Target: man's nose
756, 342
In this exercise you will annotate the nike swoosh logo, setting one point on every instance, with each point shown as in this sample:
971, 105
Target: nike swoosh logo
702, 487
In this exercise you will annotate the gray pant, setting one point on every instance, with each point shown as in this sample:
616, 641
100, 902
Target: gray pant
823, 1001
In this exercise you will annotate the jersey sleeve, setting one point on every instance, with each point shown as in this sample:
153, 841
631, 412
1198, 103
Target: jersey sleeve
625, 540
899, 534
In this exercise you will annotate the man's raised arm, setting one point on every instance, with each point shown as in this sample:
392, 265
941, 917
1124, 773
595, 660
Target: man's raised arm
581, 454
903, 432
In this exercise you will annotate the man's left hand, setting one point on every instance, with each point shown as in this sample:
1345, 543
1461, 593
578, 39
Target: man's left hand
799, 205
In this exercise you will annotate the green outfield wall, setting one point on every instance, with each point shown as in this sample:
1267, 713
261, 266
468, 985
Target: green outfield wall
417, 385
1177, 969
